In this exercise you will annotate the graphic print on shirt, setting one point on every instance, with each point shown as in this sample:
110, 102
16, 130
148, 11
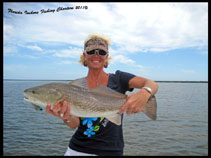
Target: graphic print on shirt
91, 129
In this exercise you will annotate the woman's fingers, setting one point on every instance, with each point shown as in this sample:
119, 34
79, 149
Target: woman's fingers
129, 110
67, 113
63, 109
57, 107
123, 108
48, 109
60, 109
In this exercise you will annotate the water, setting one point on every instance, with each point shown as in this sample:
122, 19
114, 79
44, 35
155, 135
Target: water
181, 127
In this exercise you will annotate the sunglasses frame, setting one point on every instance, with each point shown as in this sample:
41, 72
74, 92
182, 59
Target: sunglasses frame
97, 51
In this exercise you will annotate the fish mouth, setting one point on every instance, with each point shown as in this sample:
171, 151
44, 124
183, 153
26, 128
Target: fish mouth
25, 98
25, 95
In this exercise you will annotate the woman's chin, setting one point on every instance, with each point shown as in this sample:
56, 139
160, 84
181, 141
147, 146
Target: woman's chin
95, 66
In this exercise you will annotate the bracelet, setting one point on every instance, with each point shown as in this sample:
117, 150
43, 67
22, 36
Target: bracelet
148, 90
67, 121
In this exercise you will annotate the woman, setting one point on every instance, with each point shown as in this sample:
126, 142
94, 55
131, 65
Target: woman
98, 136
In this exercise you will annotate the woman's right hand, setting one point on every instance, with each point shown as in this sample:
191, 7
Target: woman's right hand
62, 111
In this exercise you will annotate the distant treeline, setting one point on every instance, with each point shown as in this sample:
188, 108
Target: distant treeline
32, 80
183, 81
71, 80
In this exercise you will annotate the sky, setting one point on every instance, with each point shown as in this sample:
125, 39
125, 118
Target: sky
158, 41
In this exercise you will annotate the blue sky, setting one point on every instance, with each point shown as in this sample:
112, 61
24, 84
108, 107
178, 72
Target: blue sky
159, 41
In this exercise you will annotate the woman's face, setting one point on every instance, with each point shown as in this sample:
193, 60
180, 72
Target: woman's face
95, 61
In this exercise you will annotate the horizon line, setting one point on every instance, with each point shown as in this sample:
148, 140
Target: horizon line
72, 80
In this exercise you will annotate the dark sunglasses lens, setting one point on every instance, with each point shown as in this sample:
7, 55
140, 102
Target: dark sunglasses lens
91, 52
102, 52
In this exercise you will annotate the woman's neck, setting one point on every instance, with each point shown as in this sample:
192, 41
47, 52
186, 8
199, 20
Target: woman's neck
96, 78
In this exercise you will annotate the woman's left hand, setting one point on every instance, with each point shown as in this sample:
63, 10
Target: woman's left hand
135, 102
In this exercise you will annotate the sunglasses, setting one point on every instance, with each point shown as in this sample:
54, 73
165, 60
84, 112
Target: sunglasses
98, 51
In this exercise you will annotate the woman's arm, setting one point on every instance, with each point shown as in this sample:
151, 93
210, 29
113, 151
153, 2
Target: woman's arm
139, 82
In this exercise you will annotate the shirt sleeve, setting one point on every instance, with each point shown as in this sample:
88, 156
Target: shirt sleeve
124, 78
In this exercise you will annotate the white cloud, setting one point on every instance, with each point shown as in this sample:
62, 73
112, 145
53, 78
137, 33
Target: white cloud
133, 27
10, 49
136, 68
15, 68
121, 59
8, 32
31, 56
188, 71
35, 47
162, 25
70, 53
204, 53
66, 62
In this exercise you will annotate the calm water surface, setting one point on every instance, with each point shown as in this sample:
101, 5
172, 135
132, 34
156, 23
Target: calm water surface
181, 127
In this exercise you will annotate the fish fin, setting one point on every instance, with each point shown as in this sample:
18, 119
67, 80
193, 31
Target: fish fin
108, 91
81, 82
115, 119
150, 108
37, 107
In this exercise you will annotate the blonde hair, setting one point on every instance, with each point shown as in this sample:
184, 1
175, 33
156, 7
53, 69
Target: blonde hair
92, 36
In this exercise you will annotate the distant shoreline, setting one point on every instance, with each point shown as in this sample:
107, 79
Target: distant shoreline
182, 81
71, 80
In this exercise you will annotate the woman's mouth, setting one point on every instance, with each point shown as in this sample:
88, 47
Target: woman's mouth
95, 61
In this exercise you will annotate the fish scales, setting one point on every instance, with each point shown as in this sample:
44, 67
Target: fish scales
86, 99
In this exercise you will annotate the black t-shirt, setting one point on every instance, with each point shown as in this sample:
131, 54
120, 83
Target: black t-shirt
98, 135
